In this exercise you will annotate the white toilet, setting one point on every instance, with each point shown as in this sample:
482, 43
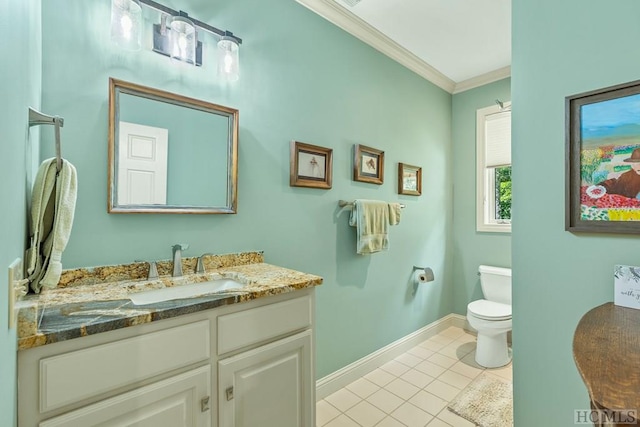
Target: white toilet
491, 316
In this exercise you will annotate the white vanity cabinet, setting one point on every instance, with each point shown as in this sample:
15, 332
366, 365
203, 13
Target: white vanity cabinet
271, 385
147, 375
245, 364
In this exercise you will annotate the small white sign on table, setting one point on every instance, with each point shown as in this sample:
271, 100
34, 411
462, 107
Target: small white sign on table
626, 281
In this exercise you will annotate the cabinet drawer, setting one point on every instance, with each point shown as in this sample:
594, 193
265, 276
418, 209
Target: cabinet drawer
82, 374
174, 402
238, 330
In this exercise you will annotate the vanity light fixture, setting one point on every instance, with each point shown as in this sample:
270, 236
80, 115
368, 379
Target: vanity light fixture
228, 59
182, 39
175, 36
126, 23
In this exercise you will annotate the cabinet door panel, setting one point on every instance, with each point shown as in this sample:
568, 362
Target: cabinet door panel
270, 386
174, 402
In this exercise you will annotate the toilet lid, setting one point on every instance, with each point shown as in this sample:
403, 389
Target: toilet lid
490, 310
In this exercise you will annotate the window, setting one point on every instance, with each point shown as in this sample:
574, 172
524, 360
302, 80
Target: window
493, 170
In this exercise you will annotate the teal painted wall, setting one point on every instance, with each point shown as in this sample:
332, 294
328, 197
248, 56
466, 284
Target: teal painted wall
20, 88
470, 247
301, 79
559, 49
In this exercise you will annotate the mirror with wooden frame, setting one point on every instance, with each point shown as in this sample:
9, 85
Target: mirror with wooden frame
169, 153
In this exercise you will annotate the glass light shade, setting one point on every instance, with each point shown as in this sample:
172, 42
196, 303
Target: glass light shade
228, 59
126, 23
182, 39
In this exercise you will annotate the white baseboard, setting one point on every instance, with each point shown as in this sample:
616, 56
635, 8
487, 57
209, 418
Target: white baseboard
461, 322
345, 376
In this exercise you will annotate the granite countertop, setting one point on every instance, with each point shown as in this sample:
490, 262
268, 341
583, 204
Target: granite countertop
84, 304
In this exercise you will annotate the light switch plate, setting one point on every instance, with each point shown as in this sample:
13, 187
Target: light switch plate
15, 274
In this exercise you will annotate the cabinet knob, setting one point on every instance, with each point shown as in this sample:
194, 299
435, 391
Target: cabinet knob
229, 392
204, 404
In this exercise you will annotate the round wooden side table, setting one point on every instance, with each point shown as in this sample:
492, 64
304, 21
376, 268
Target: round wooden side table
606, 350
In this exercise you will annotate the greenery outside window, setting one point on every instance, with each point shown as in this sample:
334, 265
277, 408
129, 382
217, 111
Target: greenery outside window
493, 170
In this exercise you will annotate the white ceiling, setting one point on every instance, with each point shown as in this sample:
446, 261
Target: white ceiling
456, 44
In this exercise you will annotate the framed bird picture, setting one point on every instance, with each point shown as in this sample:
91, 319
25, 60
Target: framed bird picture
368, 165
310, 166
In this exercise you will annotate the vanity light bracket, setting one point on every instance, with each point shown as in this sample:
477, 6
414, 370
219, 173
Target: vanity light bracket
161, 42
202, 25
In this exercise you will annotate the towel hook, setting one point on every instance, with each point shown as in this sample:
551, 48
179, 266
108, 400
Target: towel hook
37, 118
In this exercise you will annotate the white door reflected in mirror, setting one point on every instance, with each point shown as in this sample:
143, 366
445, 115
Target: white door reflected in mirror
142, 164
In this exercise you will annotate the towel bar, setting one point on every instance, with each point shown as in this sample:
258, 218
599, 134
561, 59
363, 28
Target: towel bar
37, 118
343, 203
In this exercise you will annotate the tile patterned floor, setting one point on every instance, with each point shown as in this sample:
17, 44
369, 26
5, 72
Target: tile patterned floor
411, 391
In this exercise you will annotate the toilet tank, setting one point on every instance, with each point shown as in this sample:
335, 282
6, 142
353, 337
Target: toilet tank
495, 283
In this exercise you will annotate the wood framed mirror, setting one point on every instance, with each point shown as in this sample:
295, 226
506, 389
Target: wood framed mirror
169, 153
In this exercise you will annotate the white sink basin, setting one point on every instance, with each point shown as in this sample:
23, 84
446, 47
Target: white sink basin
184, 291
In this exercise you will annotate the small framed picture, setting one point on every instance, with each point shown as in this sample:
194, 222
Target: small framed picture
409, 179
310, 166
368, 165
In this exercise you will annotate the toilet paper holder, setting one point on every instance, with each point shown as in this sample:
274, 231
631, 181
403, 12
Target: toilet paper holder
427, 271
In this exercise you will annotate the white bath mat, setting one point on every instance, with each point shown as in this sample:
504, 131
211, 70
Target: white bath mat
487, 402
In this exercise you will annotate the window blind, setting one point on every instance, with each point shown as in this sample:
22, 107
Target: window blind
498, 139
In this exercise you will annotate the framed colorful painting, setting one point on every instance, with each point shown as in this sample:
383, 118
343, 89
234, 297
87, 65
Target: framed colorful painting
603, 160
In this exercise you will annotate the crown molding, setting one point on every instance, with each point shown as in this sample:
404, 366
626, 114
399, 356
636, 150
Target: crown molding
339, 16
483, 79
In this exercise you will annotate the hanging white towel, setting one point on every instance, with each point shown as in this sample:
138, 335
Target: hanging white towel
40, 224
372, 219
53, 205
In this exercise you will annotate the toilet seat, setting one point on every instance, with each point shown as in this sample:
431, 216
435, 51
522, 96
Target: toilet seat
489, 310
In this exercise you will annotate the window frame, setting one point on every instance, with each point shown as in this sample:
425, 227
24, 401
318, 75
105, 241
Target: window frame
485, 179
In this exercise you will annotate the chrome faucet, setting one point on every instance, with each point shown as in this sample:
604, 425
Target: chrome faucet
153, 269
200, 265
177, 258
